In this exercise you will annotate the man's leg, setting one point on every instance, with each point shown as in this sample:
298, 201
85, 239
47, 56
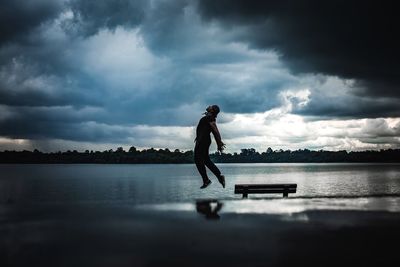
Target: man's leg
200, 164
213, 168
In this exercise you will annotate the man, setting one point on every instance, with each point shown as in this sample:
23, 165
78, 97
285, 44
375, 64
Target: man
207, 125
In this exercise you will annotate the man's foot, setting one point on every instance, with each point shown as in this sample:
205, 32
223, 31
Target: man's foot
205, 184
221, 180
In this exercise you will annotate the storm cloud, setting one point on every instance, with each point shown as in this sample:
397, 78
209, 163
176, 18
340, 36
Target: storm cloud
19, 17
349, 39
123, 72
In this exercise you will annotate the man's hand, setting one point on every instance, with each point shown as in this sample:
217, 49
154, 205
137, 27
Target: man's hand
217, 136
221, 146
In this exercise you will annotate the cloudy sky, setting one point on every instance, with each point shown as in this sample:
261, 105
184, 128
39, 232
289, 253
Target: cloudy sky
83, 74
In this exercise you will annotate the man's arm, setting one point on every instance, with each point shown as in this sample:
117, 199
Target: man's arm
217, 136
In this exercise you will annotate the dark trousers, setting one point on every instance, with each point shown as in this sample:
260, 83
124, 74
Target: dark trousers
202, 159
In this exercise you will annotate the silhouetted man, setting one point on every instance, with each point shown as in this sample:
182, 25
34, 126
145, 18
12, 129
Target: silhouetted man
207, 125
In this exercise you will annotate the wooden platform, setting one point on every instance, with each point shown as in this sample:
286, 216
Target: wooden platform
246, 189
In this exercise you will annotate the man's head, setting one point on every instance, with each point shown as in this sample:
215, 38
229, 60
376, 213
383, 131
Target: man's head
214, 109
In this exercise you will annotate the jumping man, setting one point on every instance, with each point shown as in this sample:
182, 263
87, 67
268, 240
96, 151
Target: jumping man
207, 125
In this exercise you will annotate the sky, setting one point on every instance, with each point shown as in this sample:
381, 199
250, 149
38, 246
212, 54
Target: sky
99, 74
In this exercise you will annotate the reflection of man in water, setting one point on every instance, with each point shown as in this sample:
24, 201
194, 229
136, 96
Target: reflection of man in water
208, 125
205, 207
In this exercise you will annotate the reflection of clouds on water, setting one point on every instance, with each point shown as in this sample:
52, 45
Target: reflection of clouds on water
291, 206
167, 207
303, 204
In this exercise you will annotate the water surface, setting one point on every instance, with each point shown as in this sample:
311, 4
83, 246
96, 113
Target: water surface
155, 215
159, 183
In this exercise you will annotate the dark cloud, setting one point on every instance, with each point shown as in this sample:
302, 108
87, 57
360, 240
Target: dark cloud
93, 70
62, 122
19, 17
92, 15
74, 131
380, 128
351, 107
378, 132
334, 98
350, 39
35, 87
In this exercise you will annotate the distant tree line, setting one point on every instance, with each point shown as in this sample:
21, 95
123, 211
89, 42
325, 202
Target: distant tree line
248, 155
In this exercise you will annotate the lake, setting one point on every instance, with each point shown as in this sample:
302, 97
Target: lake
176, 183
156, 215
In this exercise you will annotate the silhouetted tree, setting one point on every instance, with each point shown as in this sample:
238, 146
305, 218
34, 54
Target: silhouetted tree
152, 155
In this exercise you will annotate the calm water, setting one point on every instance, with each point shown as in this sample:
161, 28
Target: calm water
155, 215
157, 184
